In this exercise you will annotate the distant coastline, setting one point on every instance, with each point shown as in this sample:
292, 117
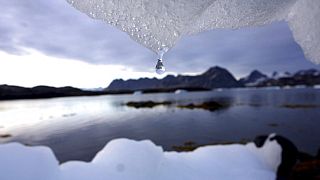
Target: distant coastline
213, 78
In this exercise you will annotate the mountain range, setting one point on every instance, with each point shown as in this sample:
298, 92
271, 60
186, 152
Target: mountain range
308, 77
217, 77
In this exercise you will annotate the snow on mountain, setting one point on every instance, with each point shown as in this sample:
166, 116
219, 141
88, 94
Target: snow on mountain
308, 77
309, 72
277, 75
254, 78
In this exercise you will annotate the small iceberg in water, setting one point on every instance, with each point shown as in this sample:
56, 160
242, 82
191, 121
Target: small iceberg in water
137, 93
180, 91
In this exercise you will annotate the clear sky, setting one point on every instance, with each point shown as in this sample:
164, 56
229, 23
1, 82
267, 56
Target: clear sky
48, 42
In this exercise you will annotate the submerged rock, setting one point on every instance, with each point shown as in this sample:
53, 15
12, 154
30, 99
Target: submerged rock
5, 135
211, 106
146, 104
298, 106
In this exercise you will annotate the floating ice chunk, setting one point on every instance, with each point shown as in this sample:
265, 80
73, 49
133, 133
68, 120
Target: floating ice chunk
160, 23
123, 159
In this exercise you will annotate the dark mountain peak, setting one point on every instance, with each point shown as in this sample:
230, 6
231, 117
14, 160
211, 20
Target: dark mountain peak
214, 69
169, 77
119, 80
274, 74
217, 72
253, 78
256, 73
43, 87
287, 73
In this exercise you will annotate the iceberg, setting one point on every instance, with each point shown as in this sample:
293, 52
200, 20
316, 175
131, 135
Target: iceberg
123, 159
159, 24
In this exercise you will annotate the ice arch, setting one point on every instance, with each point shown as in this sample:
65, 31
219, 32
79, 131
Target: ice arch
158, 24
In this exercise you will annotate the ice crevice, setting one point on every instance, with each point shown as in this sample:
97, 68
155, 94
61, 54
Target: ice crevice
161, 23
124, 159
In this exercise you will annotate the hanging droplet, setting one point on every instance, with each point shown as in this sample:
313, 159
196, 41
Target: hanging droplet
160, 69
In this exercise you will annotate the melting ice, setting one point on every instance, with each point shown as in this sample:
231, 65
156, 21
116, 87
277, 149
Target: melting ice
158, 23
124, 159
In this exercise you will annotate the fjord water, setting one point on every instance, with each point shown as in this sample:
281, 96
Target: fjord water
76, 128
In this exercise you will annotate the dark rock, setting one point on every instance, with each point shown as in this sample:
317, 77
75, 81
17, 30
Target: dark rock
146, 104
289, 154
305, 170
5, 135
298, 106
289, 157
260, 140
211, 106
190, 145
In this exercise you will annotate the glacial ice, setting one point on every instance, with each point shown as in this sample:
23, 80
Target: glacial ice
161, 23
123, 159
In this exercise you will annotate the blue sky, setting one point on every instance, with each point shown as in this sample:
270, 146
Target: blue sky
49, 42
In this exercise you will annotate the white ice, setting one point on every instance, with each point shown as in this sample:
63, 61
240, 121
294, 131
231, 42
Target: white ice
159, 24
124, 159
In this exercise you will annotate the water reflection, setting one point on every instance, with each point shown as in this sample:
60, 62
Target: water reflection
78, 127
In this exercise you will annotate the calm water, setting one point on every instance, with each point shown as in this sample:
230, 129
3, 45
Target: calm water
78, 127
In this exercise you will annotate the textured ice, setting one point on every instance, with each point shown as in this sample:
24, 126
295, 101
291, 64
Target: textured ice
124, 159
159, 24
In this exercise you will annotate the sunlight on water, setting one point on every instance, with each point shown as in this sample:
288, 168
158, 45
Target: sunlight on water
16, 114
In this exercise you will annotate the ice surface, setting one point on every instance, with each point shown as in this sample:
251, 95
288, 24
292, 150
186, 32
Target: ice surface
160, 23
18, 162
123, 159
304, 21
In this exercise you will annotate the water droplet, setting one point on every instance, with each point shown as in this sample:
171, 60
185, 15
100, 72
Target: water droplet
160, 69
